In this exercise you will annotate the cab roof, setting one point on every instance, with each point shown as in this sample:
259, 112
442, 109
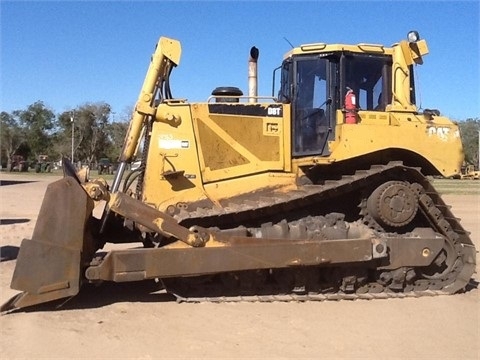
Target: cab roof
319, 48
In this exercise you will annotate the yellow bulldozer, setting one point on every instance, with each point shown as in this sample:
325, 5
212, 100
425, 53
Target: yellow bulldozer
316, 192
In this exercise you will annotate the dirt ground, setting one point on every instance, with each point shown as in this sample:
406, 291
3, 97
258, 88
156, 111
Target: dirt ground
119, 322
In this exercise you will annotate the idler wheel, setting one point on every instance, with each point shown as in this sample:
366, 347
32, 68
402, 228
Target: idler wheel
393, 204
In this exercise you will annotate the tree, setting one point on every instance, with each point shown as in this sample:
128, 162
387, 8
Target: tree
116, 134
90, 123
37, 124
11, 137
469, 132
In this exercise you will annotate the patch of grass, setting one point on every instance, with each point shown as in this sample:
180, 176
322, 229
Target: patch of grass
456, 186
31, 172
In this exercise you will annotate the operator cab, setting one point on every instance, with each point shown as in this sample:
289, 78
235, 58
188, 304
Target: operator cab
315, 84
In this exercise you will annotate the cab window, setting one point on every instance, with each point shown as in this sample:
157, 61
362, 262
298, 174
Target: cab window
369, 78
311, 93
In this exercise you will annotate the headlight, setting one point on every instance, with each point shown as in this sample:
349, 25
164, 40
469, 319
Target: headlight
413, 36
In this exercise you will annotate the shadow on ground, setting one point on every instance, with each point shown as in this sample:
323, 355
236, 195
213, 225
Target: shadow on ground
472, 285
147, 291
8, 252
108, 293
15, 182
13, 221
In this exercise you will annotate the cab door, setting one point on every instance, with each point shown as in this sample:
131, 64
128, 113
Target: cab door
313, 121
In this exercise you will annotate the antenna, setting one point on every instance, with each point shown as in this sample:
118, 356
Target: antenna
288, 42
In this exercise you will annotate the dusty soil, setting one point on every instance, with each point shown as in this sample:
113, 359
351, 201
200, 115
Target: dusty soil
129, 322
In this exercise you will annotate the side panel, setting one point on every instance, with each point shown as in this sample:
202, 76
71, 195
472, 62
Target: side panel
235, 140
172, 173
206, 152
438, 140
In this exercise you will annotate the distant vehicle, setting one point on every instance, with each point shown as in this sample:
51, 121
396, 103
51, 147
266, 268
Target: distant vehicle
105, 166
18, 163
469, 173
43, 165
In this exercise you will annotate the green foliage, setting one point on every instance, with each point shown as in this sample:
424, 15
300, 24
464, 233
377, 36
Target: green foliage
469, 132
117, 132
38, 131
37, 123
89, 134
27, 132
10, 137
94, 135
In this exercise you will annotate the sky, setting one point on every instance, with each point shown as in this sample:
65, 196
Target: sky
68, 53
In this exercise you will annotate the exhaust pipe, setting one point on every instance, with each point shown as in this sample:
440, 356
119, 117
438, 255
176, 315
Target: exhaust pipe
252, 75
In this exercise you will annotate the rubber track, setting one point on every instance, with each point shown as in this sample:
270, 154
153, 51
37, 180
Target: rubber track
432, 206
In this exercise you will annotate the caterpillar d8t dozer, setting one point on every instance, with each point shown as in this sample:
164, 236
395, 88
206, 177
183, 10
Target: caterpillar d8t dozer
317, 192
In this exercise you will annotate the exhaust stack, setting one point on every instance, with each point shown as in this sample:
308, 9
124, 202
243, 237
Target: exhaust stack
252, 75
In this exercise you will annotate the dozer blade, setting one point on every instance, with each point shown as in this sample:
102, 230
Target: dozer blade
49, 265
